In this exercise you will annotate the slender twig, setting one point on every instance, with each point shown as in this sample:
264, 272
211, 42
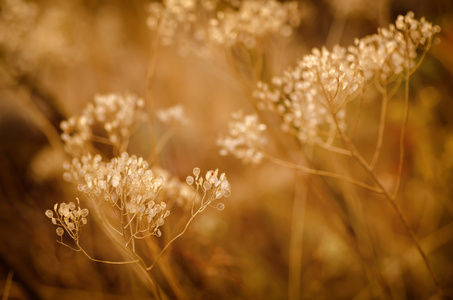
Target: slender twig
322, 173
333, 148
391, 198
402, 138
100, 140
296, 237
150, 77
202, 207
357, 117
8, 283
161, 143
422, 57
377, 150
106, 261
41, 121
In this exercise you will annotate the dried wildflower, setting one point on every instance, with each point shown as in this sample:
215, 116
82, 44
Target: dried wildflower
393, 49
178, 22
172, 116
304, 96
117, 114
194, 24
214, 186
76, 134
68, 217
245, 138
254, 20
311, 97
126, 182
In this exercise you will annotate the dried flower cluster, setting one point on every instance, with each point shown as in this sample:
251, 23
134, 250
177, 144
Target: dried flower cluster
172, 116
68, 217
194, 24
129, 196
245, 138
395, 48
254, 20
311, 97
214, 186
127, 184
175, 20
117, 114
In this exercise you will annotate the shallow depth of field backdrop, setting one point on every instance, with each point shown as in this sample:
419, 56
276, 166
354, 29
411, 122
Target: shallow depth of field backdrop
346, 242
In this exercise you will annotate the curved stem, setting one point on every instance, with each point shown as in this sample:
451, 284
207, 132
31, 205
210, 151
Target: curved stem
322, 173
171, 241
296, 238
391, 198
193, 215
149, 81
161, 143
402, 135
357, 116
333, 148
377, 151
8, 283
41, 121
106, 261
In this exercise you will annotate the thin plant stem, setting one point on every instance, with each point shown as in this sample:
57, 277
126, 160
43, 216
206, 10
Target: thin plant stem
402, 135
161, 143
142, 266
167, 273
296, 238
106, 261
41, 121
241, 78
391, 198
357, 117
431, 242
148, 275
322, 173
8, 283
178, 235
149, 82
377, 151
334, 149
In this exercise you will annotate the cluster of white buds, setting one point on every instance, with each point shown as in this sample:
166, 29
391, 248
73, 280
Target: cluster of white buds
126, 182
173, 115
253, 20
393, 49
68, 217
194, 24
117, 114
245, 138
311, 97
214, 186
178, 22
308, 95
76, 134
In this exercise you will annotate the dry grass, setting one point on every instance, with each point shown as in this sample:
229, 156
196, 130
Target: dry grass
284, 232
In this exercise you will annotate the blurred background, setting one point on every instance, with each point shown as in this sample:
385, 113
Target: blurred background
56, 55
